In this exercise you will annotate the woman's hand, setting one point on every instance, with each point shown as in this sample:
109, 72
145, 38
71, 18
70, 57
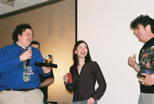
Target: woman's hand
65, 78
90, 100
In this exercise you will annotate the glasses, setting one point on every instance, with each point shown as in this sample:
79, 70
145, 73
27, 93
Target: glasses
136, 29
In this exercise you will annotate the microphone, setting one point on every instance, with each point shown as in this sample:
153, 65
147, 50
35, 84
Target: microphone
27, 63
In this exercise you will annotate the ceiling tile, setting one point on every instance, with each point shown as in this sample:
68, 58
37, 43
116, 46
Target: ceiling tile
18, 4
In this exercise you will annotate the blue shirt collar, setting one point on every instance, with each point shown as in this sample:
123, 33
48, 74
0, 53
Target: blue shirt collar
17, 46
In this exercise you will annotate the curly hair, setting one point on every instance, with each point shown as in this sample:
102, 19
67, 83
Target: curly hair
143, 20
19, 29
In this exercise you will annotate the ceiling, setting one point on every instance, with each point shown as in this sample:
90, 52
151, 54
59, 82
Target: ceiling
21, 6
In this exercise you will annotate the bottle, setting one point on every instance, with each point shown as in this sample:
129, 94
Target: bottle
69, 77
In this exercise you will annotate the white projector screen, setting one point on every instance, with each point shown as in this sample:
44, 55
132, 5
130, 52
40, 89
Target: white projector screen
105, 26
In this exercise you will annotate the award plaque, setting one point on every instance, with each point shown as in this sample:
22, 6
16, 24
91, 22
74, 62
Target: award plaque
47, 62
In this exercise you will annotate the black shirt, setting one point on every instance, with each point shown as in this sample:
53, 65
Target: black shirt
45, 89
146, 60
84, 84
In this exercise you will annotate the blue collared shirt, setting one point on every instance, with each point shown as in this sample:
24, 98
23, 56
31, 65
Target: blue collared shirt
11, 68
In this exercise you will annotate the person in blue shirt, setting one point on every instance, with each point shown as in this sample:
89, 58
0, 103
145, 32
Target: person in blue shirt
20, 81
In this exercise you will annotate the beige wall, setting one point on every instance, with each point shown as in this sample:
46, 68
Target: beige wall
54, 28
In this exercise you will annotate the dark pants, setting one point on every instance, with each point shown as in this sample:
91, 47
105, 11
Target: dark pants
45, 101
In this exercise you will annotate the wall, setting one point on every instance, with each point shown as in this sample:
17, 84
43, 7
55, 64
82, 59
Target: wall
54, 28
105, 26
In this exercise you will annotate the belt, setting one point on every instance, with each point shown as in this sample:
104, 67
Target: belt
24, 89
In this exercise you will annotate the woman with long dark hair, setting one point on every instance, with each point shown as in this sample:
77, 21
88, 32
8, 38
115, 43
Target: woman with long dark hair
85, 73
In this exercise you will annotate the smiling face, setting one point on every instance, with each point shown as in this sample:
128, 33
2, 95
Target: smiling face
141, 32
81, 50
25, 38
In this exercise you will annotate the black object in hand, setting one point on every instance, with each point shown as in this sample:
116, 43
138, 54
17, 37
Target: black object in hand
46, 65
146, 71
